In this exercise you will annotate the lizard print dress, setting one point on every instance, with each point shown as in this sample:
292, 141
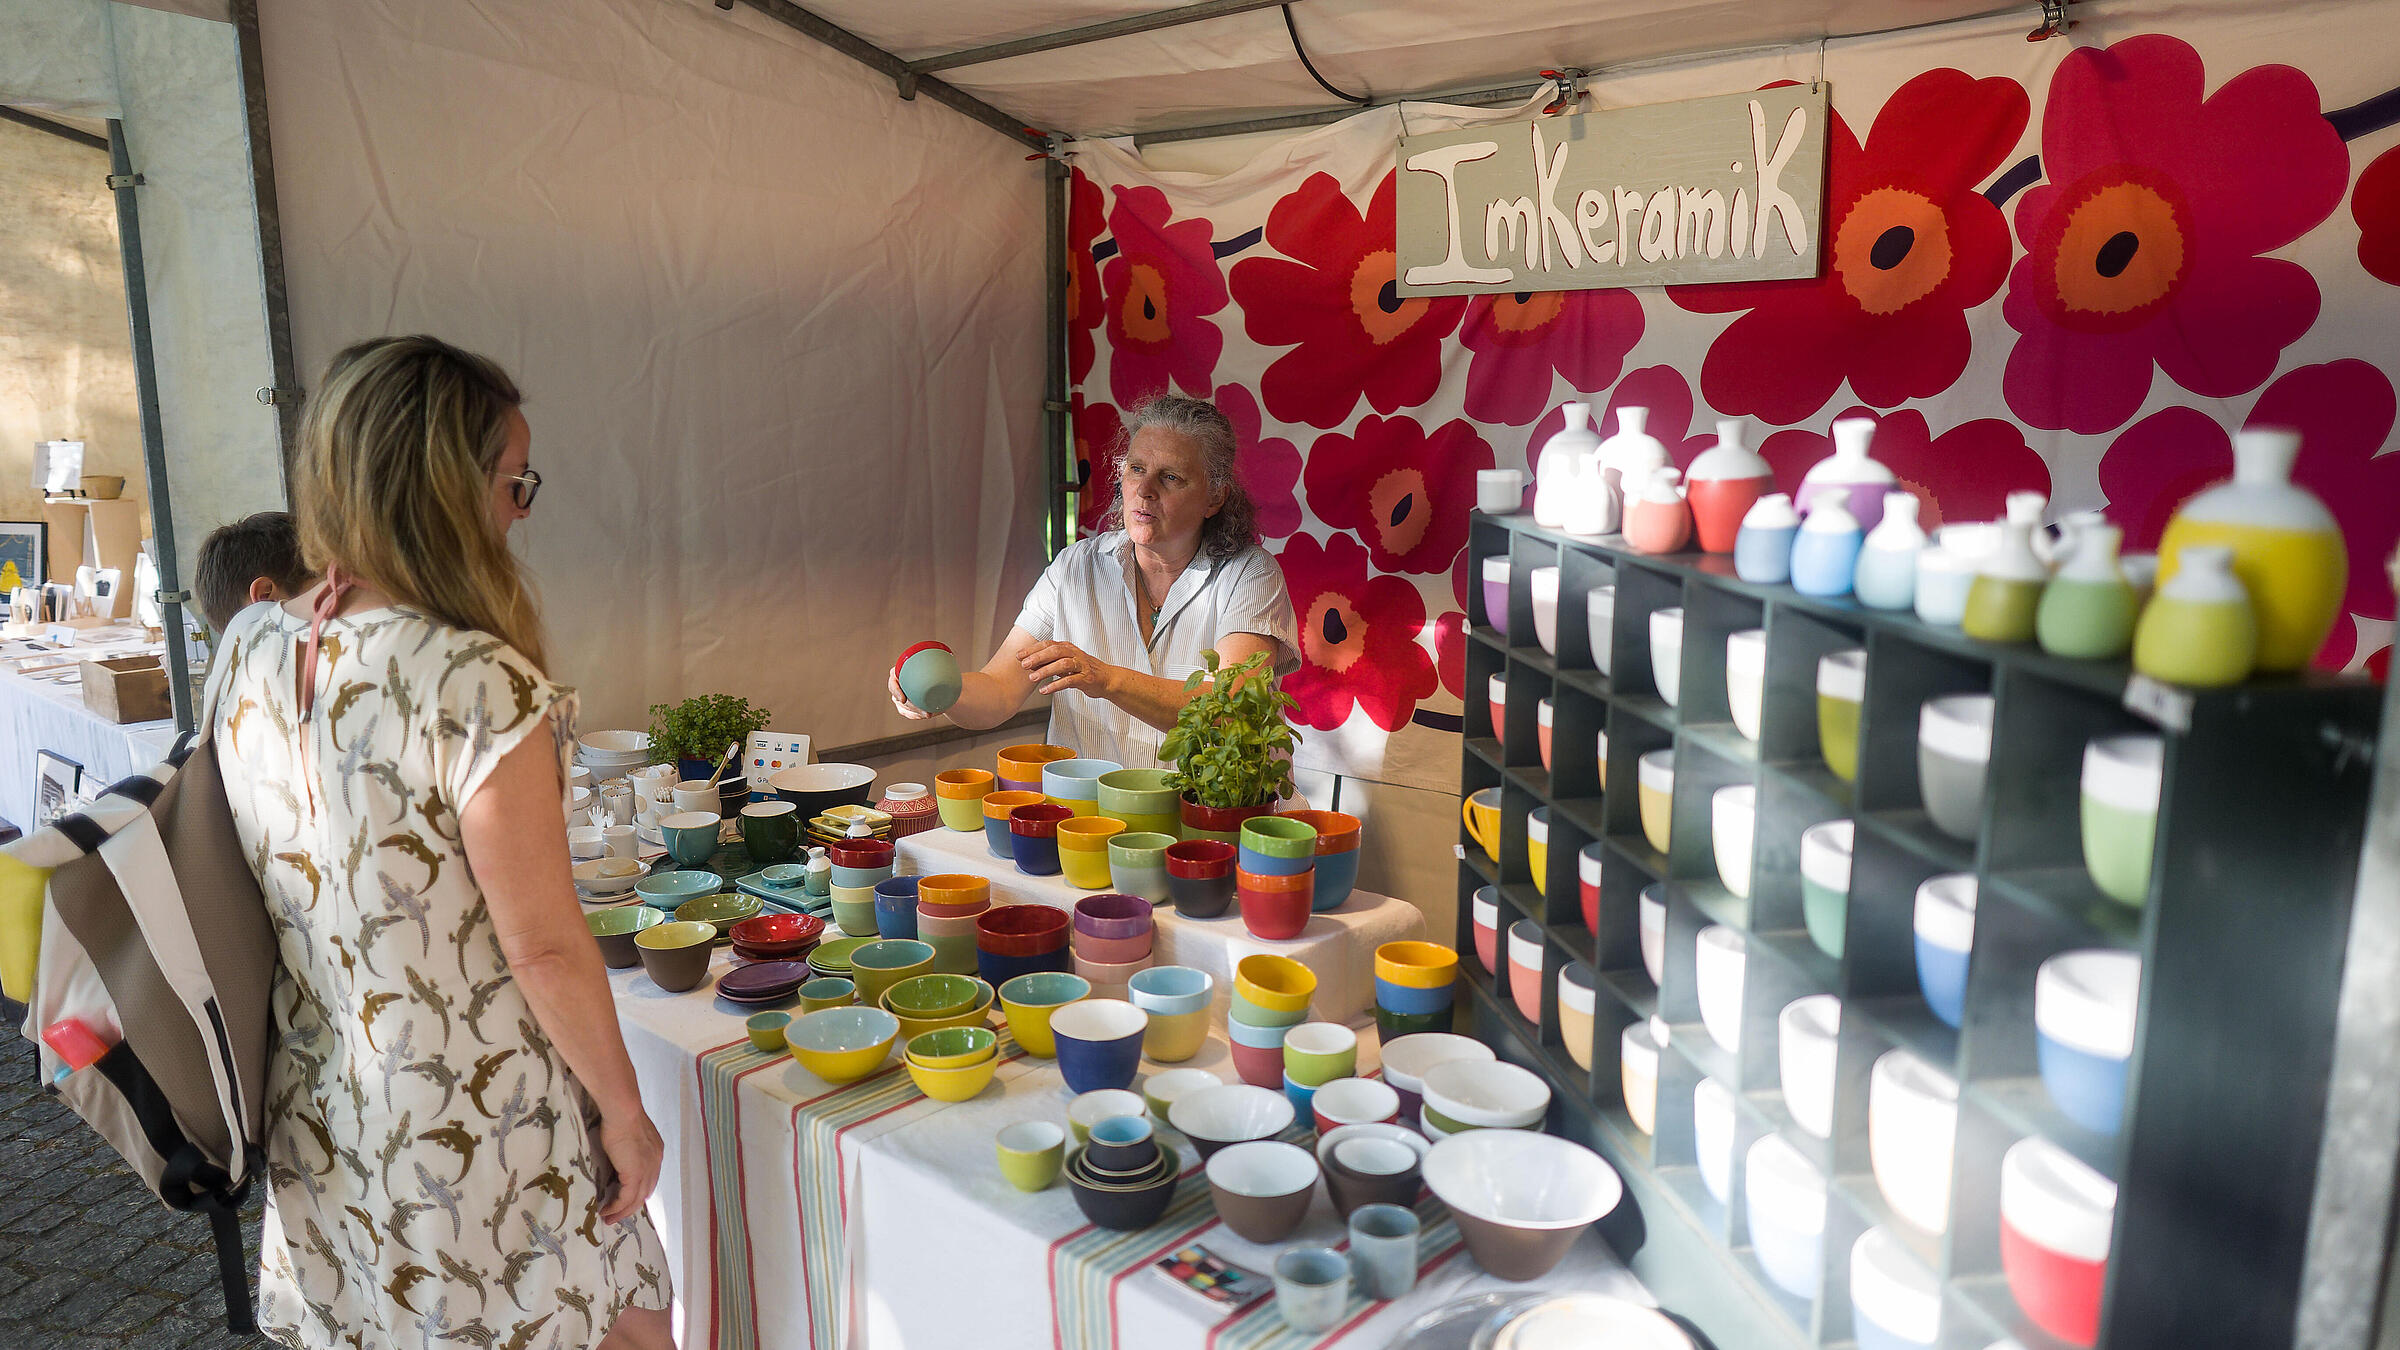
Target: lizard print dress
434, 1177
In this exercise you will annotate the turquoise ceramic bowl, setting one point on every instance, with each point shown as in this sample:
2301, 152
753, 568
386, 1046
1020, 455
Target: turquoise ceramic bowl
667, 890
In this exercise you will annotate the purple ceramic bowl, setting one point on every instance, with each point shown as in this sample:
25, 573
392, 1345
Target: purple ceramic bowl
1112, 916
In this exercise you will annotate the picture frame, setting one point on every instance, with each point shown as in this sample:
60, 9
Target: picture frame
25, 552
57, 786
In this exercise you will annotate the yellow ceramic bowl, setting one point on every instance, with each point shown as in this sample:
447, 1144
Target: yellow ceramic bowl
1172, 1039
1088, 833
1417, 965
1084, 869
842, 1045
913, 1027
953, 1085
1030, 1022
1275, 983
963, 814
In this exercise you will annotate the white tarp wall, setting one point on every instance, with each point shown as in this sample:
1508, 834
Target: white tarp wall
173, 79
779, 332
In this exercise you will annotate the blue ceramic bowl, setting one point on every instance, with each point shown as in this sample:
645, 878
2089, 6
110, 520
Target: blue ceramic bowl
896, 907
1413, 1002
996, 837
1171, 991
1099, 1043
1337, 873
1036, 856
930, 677
666, 890
860, 877
998, 970
1260, 1038
1075, 780
1301, 1097
1260, 865
2088, 1089
1942, 974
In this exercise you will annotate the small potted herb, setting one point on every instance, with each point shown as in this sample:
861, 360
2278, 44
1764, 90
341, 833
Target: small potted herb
1231, 747
693, 734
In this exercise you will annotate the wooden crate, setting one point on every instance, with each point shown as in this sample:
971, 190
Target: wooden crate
127, 689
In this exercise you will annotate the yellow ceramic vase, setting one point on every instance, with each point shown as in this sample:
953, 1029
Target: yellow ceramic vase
2200, 630
2287, 548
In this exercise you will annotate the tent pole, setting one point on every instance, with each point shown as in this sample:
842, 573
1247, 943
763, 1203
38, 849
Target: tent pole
58, 129
1094, 32
1058, 432
1474, 98
284, 394
893, 68
124, 182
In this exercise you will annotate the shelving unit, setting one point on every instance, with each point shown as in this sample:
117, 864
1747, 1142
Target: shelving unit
2260, 826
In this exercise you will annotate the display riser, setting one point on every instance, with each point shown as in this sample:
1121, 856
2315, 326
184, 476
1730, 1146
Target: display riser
2263, 801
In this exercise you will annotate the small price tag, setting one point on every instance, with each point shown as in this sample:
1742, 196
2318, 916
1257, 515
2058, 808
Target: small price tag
1460, 850
60, 635
2160, 702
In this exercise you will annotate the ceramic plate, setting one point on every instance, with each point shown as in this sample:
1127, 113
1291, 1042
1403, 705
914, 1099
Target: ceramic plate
767, 979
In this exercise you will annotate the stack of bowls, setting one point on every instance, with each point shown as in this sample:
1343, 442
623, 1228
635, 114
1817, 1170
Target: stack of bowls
1372, 1165
1110, 940
1337, 855
952, 1064
776, 937
1145, 799
930, 1002
2056, 1220
1219, 1117
948, 904
996, 807
1099, 1043
1083, 850
1033, 837
1088, 1109
1200, 877
1520, 1199
612, 754
1119, 1199
1177, 999
615, 929
958, 795
831, 957
1021, 766
761, 983
1270, 997
842, 1045
1473, 1094
896, 907
1276, 879
1415, 985
1013, 940
1261, 1188
1028, 1001
1314, 1054
1137, 862
1075, 783
1407, 1059
857, 865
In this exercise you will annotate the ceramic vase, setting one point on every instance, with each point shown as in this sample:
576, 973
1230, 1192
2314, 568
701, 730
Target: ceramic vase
2088, 609
1887, 559
1946, 570
1658, 521
2007, 591
1722, 485
1825, 552
1762, 552
1850, 476
1562, 461
1593, 505
2287, 549
1633, 452
2200, 629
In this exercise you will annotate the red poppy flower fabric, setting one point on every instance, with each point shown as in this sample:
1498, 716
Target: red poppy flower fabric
2142, 249
1086, 218
1159, 290
1268, 466
2344, 412
1911, 246
1405, 491
1097, 429
1332, 299
2375, 205
1450, 652
1660, 389
1358, 637
1964, 474
1520, 339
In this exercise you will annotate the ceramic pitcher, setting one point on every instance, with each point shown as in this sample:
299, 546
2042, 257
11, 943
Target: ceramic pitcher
2008, 587
1560, 463
2087, 611
1722, 485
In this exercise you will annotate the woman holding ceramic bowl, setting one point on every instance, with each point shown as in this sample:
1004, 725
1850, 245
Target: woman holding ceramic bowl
1118, 620
447, 1078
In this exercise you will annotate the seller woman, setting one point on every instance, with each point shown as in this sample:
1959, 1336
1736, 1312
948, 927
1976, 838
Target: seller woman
1118, 620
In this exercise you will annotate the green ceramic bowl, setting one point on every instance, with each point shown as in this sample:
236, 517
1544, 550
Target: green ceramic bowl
827, 991
614, 930
933, 995
953, 1047
1279, 837
724, 911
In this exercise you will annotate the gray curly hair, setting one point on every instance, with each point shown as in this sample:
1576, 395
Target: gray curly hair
1235, 525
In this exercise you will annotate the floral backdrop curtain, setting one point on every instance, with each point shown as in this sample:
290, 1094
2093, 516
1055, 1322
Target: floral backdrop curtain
2072, 266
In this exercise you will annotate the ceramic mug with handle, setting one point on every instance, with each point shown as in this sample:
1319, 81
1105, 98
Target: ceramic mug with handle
1481, 812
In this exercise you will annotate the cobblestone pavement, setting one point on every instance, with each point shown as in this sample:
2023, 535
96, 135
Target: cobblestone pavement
88, 1259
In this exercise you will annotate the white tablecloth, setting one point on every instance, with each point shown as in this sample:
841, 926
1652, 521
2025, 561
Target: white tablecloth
1338, 945
41, 714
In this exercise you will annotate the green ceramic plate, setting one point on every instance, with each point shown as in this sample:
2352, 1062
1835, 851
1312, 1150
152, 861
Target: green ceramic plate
833, 958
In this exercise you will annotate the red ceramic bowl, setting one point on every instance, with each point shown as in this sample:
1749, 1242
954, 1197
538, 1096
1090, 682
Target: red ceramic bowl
1201, 859
749, 953
778, 932
1259, 1065
1275, 908
1112, 951
1021, 930
1337, 831
860, 853
1112, 916
1039, 821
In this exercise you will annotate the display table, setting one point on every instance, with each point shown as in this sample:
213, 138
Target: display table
46, 712
801, 1215
1338, 945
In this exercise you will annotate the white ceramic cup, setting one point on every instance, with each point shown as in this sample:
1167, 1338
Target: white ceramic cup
1637, 1061
585, 843
1712, 1137
1600, 618
1787, 1215
1732, 821
1912, 1125
696, 794
2087, 1000
1893, 1290
1499, 492
622, 841
1543, 582
1807, 1037
1746, 679
1666, 652
1653, 907
1723, 952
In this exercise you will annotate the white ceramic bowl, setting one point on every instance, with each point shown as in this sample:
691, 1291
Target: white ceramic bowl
1653, 906
1544, 583
1489, 1094
1912, 1126
1263, 1167
1893, 1290
1407, 1060
1786, 1207
1169, 1086
1746, 679
1234, 1111
1712, 1137
1666, 652
1807, 1036
1521, 1198
821, 778
597, 879
1583, 1321
1732, 819
1356, 1101
1722, 954
1400, 1136
1600, 615
615, 744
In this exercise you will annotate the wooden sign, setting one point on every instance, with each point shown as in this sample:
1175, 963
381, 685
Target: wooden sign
1730, 188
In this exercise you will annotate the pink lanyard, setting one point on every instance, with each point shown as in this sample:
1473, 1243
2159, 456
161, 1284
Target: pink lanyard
337, 588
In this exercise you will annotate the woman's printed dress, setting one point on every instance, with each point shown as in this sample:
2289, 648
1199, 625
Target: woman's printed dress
435, 1180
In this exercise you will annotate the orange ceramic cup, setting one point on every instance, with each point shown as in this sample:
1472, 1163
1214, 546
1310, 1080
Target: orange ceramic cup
1337, 831
1021, 765
953, 895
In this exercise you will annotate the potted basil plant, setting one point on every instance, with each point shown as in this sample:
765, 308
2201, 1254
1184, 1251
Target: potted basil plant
1231, 746
692, 735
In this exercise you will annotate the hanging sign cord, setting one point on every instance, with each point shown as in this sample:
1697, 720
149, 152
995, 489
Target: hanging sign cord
1302, 53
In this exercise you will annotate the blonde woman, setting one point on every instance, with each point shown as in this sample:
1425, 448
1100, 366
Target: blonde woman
457, 1150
